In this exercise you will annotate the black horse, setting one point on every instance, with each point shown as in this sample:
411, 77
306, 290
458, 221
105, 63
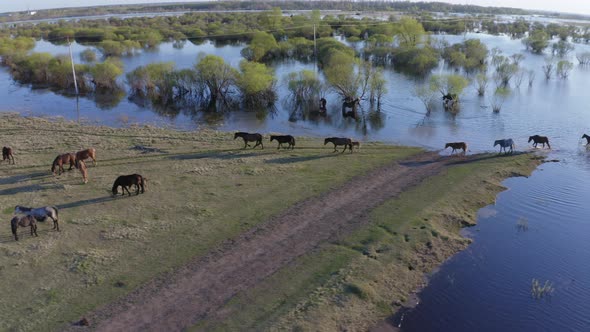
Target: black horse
126, 181
23, 221
247, 137
587, 138
347, 142
288, 139
539, 140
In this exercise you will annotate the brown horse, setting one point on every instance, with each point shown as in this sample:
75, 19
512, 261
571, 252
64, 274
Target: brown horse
247, 137
347, 142
83, 170
7, 154
85, 154
23, 221
457, 146
539, 140
357, 144
126, 181
62, 159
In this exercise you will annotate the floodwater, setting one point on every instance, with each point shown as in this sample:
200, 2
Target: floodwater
486, 287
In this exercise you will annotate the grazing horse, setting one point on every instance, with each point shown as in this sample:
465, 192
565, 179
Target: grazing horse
61, 160
505, 143
357, 144
247, 137
347, 142
83, 170
539, 140
85, 154
126, 181
7, 154
284, 139
587, 138
23, 221
457, 146
40, 214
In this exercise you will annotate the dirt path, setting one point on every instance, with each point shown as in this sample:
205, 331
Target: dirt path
200, 288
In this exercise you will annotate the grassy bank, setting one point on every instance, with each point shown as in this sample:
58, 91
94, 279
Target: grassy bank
202, 189
354, 283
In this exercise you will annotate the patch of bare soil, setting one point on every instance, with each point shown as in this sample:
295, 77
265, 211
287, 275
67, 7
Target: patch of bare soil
179, 300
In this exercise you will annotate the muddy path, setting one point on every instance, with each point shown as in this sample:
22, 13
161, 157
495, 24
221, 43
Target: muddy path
199, 289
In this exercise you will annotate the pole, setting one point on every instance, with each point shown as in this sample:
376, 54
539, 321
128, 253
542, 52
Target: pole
315, 48
73, 67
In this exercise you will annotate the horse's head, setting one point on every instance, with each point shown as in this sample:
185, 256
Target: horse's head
447, 145
585, 136
327, 140
530, 139
114, 191
236, 135
497, 142
272, 138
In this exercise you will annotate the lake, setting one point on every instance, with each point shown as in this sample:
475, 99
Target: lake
488, 285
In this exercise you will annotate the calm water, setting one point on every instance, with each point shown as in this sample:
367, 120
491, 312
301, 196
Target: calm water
486, 287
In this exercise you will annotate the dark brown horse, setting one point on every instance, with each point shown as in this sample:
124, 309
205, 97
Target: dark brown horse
23, 221
347, 142
126, 181
539, 140
587, 138
7, 154
247, 137
288, 139
85, 154
61, 160
323, 105
457, 146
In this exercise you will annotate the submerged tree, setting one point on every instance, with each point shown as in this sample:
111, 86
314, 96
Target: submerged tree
426, 93
564, 68
548, 68
482, 83
377, 87
256, 84
451, 87
537, 41
304, 87
217, 77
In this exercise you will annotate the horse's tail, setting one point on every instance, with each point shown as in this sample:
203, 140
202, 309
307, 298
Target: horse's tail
293, 140
14, 225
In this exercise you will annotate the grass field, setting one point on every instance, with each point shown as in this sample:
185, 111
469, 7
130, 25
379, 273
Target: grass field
354, 283
202, 189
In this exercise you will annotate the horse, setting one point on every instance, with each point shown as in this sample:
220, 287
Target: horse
62, 159
457, 146
347, 142
83, 170
587, 138
357, 144
40, 214
323, 105
504, 143
284, 139
7, 154
23, 221
247, 137
539, 140
127, 181
85, 154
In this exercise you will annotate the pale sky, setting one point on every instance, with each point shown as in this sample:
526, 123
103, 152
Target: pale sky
571, 6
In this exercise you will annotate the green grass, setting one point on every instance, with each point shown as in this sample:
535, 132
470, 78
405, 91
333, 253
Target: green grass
351, 284
203, 190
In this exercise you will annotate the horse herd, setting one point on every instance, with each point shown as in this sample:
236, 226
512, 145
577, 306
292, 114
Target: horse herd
348, 143
28, 217
508, 143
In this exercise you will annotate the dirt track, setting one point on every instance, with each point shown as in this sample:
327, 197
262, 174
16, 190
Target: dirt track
200, 288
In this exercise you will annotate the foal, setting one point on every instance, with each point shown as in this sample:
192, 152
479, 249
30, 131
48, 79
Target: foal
7, 154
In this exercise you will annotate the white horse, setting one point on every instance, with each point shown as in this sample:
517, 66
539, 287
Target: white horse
505, 143
40, 214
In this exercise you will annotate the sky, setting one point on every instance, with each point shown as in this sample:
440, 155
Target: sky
568, 6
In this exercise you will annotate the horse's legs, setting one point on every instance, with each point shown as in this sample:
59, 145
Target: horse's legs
127, 188
278, 147
55, 223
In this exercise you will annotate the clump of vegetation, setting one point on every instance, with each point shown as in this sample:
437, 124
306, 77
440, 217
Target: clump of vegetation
88, 55
256, 83
562, 48
548, 68
539, 291
482, 83
451, 87
499, 98
583, 58
564, 68
470, 54
505, 67
537, 41
304, 87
